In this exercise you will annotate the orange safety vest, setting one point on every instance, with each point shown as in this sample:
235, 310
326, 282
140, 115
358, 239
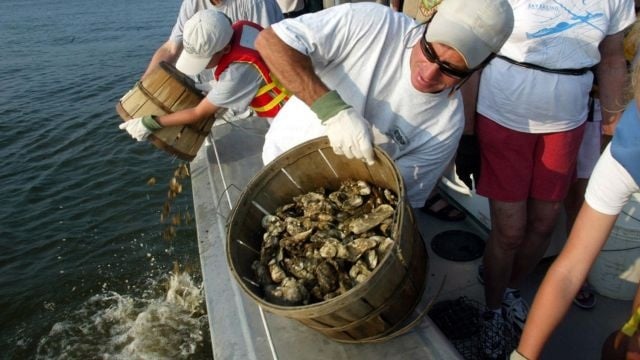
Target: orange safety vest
271, 97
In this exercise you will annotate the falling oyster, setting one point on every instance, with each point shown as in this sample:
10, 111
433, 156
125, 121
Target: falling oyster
174, 188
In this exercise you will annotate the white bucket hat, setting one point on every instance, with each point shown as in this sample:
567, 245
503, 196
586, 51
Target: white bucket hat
206, 33
475, 28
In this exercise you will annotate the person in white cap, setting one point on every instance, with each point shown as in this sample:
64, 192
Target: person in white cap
531, 110
365, 74
241, 78
261, 12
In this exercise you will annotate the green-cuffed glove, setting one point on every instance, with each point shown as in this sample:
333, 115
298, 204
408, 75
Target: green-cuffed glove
349, 133
140, 128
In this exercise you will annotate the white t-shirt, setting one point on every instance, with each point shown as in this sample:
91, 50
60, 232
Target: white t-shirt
610, 185
239, 82
556, 35
288, 6
237, 86
262, 12
362, 50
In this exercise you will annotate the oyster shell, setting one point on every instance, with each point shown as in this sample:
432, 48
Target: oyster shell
369, 221
323, 244
276, 272
359, 272
291, 292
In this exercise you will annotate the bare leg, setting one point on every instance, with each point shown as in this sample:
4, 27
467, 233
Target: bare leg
508, 224
541, 220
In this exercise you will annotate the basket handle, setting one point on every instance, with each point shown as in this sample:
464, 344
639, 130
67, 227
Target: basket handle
217, 208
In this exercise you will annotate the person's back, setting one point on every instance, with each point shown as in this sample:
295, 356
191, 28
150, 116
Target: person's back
261, 12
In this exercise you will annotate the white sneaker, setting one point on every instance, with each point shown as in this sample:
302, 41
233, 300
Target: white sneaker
515, 310
492, 333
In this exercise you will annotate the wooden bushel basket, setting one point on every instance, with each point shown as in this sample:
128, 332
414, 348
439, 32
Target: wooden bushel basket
164, 91
372, 311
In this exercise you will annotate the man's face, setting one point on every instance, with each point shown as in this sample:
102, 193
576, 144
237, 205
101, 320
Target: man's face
435, 67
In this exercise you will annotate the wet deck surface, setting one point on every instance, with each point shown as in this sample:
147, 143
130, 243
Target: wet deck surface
240, 329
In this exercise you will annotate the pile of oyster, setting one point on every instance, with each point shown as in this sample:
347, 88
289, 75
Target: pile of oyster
322, 245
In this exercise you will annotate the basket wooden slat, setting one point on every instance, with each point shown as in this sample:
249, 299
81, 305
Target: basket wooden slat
163, 91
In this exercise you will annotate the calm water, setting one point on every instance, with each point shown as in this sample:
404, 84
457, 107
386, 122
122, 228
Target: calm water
84, 270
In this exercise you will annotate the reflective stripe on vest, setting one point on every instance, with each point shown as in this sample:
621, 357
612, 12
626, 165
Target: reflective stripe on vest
272, 96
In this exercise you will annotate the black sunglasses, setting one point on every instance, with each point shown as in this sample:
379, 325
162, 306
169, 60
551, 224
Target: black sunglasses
445, 68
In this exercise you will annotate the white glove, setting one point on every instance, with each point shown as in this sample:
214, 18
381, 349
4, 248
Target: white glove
140, 128
350, 135
515, 355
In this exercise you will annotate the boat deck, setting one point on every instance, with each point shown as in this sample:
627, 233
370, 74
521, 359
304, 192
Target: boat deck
240, 329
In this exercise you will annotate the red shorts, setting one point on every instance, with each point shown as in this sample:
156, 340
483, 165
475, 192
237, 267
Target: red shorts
516, 166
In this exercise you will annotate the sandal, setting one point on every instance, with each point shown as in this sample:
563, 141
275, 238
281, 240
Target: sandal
445, 211
585, 298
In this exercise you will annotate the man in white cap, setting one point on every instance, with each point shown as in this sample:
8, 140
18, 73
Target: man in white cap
261, 12
241, 78
365, 74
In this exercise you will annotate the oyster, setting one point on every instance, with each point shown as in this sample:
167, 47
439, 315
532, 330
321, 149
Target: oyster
287, 210
290, 292
359, 246
273, 225
262, 274
386, 226
301, 268
334, 249
371, 259
276, 272
359, 271
323, 244
327, 276
385, 246
369, 221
